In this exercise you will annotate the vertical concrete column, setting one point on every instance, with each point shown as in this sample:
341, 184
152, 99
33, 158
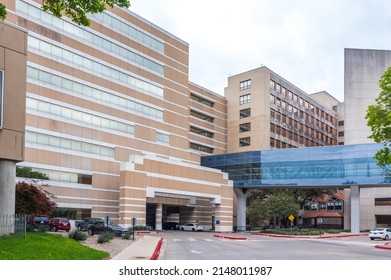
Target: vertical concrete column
355, 209
7, 186
159, 217
347, 210
241, 195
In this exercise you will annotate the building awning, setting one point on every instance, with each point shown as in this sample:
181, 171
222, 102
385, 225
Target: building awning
322, 214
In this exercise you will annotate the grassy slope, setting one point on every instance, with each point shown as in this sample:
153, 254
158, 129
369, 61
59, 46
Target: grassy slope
44, 246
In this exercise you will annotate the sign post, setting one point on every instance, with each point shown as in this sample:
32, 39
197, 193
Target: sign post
291, 218
320, 221
133, 225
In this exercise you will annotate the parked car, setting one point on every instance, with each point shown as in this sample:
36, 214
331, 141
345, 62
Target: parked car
39, 221
171, 226
92, 225
60, 224
192, 227
380, 233
143, 227
117, 229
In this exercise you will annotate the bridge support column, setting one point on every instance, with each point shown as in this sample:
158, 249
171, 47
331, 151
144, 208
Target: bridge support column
355, 209
7, 186
241, 204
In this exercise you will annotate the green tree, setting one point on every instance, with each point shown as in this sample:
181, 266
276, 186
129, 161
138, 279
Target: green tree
276, 207
379, 120
27, 172
76, 10
3, 12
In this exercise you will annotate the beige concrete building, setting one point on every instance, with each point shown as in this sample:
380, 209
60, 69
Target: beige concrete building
363, 70
265, 111
13, 58
114, 122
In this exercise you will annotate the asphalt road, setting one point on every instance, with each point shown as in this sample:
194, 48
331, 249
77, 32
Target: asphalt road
205, 246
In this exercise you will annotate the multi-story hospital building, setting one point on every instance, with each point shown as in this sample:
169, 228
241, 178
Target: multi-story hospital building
114, 121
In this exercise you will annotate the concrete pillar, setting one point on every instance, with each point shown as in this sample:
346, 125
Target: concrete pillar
241, 195
355, 209
7, 186
159, 217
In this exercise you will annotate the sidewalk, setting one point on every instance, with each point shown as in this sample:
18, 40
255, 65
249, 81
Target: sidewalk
146, 248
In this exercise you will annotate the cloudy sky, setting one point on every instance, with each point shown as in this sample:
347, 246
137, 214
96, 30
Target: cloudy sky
301, 40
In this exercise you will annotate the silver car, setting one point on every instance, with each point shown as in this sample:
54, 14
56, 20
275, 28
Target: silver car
192, 227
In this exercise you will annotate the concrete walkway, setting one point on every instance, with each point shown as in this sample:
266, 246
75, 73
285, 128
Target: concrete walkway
142, 249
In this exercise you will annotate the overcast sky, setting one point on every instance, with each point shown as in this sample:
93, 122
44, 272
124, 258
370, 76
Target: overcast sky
302, 41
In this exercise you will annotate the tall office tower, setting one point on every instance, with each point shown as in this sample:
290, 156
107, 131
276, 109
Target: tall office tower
115, 124
363, 70
265, 111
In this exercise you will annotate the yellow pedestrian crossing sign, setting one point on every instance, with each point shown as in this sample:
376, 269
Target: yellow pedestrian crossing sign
291, 218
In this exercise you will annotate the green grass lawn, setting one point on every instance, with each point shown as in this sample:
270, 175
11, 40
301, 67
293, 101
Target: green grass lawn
45, 246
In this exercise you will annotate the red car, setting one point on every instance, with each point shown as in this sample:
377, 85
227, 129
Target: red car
60, 224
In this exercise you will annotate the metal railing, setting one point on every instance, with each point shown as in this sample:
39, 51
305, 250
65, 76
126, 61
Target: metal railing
14, 224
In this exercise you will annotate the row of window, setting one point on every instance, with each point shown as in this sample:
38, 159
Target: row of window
202, 132
300, 101
99, 96
201, 116
79, 61
78, 116
244, 99
68, 144
98, 41
86, 118
62, 176
304, 138
245, 84
201, 100
333, 204
310, 121
103, 18
201, 148
306, 128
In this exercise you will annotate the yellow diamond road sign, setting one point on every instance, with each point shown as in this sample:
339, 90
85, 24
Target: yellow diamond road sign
291, 218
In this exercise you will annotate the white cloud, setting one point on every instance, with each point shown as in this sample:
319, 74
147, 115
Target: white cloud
303, 41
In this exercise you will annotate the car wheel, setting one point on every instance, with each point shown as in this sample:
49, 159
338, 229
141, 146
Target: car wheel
55, 229
386, 237
90, 232
79, 227
182, 228
372, 238
193, 229
67, 230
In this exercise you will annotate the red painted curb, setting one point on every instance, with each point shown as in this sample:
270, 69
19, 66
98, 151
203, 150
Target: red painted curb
386, 246
156, 253
230, 237
308, 236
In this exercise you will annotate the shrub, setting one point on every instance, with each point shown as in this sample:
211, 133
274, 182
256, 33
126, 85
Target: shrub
106, 237
78, 235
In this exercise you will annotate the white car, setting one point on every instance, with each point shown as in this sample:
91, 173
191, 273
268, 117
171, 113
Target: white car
380, 233
192, 227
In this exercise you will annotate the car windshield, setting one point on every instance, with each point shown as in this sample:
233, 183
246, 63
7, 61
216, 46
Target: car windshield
64, 220
378, 229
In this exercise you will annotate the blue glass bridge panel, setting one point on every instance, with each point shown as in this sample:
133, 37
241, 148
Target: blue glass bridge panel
315, 166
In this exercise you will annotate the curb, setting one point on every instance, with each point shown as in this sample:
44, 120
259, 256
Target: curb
310, 236
156, 253
230, 237
386, 246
